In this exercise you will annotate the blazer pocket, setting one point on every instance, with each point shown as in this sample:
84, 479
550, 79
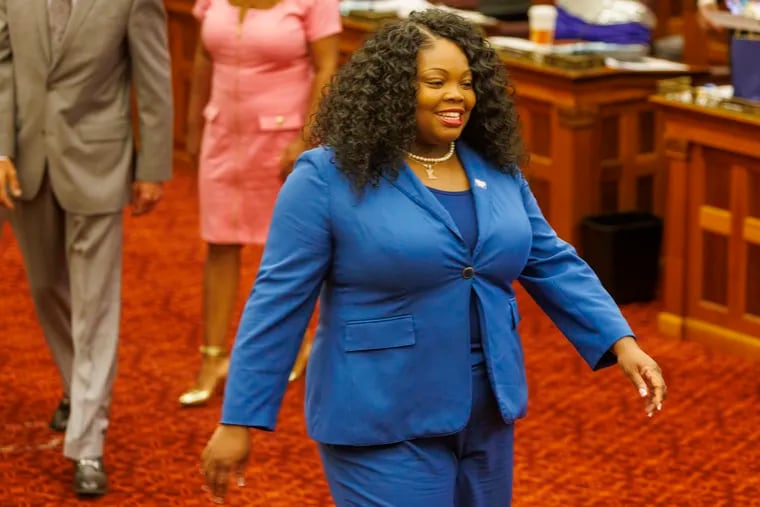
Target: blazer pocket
377, 334
112, 131
275, 122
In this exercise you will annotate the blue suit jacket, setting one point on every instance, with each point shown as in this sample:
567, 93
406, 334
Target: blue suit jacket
391, 356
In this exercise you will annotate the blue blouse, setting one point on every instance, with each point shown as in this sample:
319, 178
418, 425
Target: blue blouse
461, 207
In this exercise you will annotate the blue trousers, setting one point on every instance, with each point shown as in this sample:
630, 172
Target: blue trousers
472, 468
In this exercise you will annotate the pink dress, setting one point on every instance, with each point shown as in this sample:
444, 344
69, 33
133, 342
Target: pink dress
261, 85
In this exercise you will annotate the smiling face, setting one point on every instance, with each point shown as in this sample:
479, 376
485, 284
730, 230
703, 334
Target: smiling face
445, 96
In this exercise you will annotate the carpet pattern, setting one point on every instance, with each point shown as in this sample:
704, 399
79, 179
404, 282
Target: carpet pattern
586, 441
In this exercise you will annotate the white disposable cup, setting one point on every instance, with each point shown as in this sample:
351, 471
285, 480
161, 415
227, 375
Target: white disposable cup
542, 21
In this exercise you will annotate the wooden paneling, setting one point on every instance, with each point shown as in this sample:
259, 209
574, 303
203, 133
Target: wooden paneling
712, 236
183, 36
603, 141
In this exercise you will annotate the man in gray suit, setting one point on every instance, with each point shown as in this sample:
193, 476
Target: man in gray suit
69, 167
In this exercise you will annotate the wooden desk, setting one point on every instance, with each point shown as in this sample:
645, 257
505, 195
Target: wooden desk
594, 140
354, 33
711, 286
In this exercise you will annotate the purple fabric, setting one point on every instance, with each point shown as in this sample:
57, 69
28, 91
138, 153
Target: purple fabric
571, 27
745, 68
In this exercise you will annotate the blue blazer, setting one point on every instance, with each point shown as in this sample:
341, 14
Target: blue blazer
391, 355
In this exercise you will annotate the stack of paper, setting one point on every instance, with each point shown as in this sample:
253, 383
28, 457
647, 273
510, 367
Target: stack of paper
646, 64
402, 8
514, 43
733, 22
619, 51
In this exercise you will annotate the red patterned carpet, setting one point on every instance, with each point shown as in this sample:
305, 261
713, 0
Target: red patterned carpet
586, 441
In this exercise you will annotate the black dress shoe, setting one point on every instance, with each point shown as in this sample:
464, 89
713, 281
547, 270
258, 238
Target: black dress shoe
90, 477
61, 416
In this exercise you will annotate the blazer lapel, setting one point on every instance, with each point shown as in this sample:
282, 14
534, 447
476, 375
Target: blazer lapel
408, 183
478, 173
40, 12
79, 11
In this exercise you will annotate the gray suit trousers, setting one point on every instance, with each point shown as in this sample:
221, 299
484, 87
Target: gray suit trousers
73, 263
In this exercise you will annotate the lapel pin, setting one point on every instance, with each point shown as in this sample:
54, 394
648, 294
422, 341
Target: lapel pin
480, 183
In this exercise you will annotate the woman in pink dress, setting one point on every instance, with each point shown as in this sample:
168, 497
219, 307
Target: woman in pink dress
259, 72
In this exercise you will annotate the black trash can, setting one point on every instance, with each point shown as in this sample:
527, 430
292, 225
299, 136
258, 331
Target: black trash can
623, 248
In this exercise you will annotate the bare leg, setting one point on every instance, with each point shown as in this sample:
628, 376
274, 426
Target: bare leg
221, 277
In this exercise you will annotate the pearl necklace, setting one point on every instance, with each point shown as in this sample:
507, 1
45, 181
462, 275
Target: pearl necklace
428, 163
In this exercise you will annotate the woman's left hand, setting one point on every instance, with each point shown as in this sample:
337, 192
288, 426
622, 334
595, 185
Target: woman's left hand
289, 157
226, 453
643, 371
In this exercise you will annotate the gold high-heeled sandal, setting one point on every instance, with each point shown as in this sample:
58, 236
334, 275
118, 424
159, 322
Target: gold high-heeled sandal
194, 397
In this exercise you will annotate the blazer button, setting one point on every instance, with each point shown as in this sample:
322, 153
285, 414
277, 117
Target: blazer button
468, 272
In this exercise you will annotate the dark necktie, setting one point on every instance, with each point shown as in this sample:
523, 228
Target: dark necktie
58, 15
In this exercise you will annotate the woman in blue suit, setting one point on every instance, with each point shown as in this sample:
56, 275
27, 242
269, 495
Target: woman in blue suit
410, 224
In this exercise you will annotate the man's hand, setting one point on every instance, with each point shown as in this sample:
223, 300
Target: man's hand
145, 196
8, 181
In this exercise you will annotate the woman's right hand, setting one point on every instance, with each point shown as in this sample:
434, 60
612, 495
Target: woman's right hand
226, 453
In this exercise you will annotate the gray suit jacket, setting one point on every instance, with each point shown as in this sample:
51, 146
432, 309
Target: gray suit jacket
74, 108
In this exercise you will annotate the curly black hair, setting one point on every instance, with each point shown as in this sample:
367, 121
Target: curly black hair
368, 115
